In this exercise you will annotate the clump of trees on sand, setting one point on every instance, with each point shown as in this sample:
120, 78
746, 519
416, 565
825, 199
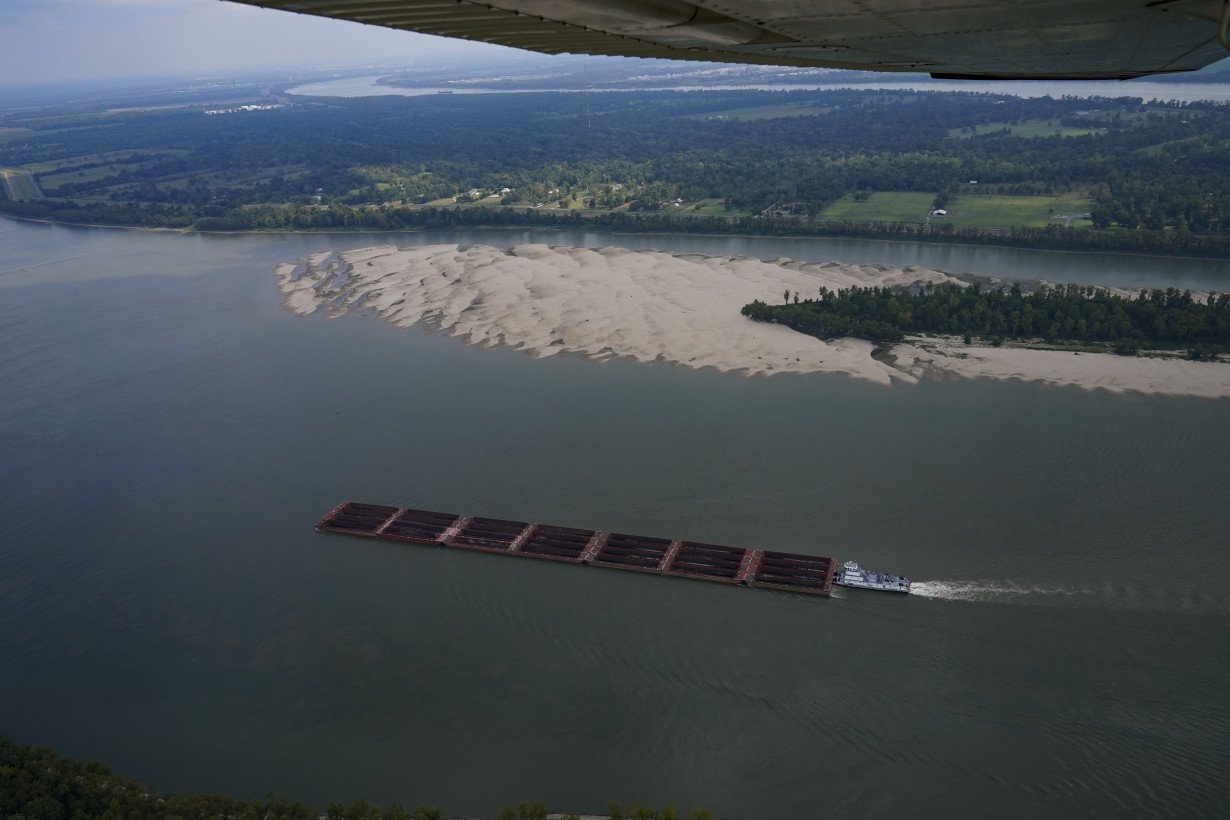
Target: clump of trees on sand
1071, 313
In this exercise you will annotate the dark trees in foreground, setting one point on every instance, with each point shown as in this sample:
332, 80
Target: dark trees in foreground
38, 784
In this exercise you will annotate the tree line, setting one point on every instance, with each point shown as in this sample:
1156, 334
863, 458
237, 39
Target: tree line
1066, 313
36, 783
380, 218
1154, 170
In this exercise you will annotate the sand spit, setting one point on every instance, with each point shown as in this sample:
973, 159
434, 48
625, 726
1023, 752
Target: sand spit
681, 308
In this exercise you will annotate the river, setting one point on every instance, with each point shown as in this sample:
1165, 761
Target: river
171, 433
1182, 92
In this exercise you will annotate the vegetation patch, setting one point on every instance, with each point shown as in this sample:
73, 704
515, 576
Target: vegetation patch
1071, 313
1001, 210
1162, 148
35, 782
973, 210
714, 206
881, 206
51, 182
9, 134
18, 186
1030, 129
764, 112
92, 160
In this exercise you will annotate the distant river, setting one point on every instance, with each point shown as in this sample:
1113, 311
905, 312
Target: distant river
170, 433
1184, 92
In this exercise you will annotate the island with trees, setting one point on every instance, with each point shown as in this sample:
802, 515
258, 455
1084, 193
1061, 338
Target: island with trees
1167, 319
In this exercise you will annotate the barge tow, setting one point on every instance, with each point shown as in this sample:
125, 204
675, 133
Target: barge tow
770, 569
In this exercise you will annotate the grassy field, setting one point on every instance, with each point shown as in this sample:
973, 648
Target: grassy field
991, 211
19, 185
10, 134
763, 112
68, 163
882, 206
710, 207
1163, 147
1029, 129
1002, 211
51, 182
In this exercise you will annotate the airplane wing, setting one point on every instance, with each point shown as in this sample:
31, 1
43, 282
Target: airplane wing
990, 39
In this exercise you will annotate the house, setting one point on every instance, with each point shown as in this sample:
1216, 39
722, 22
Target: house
939, 212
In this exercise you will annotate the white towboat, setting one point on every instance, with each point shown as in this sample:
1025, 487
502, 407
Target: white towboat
852, 575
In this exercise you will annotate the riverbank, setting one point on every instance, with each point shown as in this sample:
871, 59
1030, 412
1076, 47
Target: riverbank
406, 218
683, 309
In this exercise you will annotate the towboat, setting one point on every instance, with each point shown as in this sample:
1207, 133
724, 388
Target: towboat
852, 575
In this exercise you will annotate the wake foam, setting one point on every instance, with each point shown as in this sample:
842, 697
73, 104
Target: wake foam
1111, 595
967, 590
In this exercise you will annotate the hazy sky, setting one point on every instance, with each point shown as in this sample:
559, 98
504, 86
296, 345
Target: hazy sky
52, 41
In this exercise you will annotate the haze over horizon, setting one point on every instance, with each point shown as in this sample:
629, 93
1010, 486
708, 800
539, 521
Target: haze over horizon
55, 42
49, 42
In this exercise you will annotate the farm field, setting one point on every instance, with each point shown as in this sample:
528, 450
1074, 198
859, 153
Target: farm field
764, 112
882, 206
1030, 129
1162, 147
714, 207
1004, 211
66, 163
53, 181
19, 185
981, 211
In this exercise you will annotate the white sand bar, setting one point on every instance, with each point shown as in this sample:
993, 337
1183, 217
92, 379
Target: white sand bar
680, 308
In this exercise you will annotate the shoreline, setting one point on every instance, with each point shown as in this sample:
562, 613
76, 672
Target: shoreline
606, 229
683, 309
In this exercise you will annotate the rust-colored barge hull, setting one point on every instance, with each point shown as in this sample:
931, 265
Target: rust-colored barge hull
787, 571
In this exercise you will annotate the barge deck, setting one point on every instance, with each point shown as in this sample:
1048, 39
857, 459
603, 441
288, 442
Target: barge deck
786, 571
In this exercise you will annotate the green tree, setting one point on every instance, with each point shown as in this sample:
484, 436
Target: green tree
363, 810
532, 811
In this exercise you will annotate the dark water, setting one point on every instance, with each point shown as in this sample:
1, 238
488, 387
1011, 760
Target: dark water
169, 435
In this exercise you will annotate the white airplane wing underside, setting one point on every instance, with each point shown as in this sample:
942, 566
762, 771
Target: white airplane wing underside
1008, 39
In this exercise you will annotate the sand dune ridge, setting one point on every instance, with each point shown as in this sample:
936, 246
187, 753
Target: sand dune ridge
681, 308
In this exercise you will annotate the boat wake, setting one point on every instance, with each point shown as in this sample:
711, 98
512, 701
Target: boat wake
975, 590
1115, 595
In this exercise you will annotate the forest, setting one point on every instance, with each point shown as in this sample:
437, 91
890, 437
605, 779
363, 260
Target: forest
1097, 173
36, 783
1070, 313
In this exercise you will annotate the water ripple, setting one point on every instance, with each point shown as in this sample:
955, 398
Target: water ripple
1129, 595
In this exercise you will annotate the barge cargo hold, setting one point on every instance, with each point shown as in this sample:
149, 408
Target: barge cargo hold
786, 571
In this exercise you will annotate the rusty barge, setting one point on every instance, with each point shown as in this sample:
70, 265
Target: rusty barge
787, 571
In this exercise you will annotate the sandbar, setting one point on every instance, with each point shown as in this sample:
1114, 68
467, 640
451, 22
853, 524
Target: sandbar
684, 309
